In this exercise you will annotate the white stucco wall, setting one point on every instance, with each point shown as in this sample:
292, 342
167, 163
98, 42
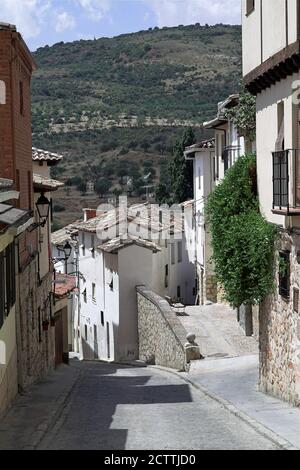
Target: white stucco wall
251, 37
264, 36
267, 132
135, 268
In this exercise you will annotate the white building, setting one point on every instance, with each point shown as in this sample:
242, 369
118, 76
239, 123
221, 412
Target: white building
271, 67
112, 266
211, 159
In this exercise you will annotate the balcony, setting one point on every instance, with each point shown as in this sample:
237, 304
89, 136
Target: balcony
230, 155
286, 182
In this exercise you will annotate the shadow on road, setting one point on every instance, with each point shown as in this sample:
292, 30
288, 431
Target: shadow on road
87, 421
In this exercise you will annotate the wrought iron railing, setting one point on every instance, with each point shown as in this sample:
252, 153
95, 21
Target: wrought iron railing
286, 180
230, 155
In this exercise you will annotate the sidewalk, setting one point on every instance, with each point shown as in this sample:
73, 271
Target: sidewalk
235, 381
26, 423
217, 331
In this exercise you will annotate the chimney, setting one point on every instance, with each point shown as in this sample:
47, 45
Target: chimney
89, 214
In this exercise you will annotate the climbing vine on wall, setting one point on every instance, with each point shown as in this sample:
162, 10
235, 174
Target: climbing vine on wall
243, 241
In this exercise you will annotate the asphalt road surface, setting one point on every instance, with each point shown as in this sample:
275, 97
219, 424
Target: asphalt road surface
123, 408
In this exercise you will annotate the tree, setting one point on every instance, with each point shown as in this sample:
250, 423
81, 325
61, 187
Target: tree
181, 170
244, 115
102, 186
82, 187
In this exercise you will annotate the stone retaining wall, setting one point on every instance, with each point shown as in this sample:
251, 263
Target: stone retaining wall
162, 337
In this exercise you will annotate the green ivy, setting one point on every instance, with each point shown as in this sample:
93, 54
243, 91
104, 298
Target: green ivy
243, 241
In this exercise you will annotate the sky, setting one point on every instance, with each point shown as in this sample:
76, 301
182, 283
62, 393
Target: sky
43, 22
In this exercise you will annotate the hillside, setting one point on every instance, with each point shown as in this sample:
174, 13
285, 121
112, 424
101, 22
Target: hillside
102, 102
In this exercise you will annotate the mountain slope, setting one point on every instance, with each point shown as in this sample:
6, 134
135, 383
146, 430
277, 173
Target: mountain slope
116, 103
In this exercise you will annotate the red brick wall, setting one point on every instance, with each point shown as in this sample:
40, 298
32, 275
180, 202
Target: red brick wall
15, 128
16, 66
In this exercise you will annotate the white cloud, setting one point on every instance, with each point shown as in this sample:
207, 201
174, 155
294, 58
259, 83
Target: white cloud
174, 12
96, 9
27, 15
64, 21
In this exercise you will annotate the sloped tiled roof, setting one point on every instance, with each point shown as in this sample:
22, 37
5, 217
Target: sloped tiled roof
205, 144
46, 184
39, 155
63, 235
63, 285
140, 215
116, 244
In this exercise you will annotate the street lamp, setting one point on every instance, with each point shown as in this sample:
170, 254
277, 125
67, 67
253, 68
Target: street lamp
43, 208
67, 250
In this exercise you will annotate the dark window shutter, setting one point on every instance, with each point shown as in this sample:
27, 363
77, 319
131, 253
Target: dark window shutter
2, 290
8, 279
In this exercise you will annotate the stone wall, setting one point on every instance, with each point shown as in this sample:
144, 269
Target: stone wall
280, 334
36, 348
162, 338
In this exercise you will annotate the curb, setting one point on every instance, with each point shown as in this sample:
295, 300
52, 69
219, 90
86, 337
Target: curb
260, 428
44, 427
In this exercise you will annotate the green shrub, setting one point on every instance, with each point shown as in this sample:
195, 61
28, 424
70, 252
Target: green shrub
243, 241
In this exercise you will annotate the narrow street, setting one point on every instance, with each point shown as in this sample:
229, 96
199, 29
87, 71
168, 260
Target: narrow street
113, 407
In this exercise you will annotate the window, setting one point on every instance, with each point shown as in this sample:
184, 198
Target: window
2, 92
179, 249
29, 182
84, 293
279, 145
94, 292
85, 332
93, 246
173, 253
167, 275
284, 274
296, 300
250, 6
178, 292
7, 282
83, 243
40, 325
21, 88
102, 318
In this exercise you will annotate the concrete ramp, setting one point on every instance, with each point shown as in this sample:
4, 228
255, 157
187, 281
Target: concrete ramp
218, 333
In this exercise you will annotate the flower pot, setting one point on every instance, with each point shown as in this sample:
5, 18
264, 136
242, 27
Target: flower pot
45, 325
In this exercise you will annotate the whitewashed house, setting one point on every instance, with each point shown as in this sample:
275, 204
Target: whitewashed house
271, 68
211, 159
111, 268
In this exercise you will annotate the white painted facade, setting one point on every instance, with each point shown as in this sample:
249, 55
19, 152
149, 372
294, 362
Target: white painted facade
268, 29
108, 280
211, 159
